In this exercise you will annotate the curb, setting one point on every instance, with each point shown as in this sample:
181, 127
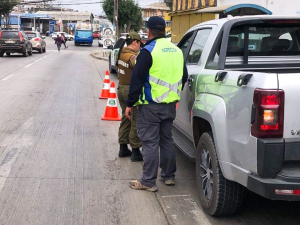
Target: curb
94, 55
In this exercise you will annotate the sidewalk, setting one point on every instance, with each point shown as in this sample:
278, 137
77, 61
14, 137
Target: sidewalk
101, 55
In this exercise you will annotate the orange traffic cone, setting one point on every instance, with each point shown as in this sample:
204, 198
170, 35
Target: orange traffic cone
105, 88
111, 109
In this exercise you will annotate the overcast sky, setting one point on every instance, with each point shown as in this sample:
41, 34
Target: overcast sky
96, 8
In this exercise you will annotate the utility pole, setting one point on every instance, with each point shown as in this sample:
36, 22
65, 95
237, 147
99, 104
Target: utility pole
116, 19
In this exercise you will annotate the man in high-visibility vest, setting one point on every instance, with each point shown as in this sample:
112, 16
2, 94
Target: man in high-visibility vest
155, 86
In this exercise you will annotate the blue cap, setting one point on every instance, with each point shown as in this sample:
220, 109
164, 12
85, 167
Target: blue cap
156, 23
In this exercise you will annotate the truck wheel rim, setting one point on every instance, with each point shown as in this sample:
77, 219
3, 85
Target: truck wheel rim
206, 174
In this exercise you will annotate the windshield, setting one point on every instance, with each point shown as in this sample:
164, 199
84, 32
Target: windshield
84, 33
31, 35
10, 35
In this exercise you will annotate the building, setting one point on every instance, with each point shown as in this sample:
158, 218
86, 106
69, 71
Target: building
69, 18
28, 22
187, 13
157, 9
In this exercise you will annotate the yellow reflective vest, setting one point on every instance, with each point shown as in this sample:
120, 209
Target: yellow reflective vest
164, 82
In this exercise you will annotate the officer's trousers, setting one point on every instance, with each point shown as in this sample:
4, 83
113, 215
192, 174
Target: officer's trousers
154, 123
128, 129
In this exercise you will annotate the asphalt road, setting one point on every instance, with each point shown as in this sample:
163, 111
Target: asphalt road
58, 159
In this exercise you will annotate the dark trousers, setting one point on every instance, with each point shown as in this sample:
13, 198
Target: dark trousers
154, 123
128, 129
58, 46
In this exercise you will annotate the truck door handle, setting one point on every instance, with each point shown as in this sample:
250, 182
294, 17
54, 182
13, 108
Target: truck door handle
190, 81
244, 79
220, 76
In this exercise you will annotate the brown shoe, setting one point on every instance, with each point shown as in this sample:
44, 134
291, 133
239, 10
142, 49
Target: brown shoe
135, 184
170, 182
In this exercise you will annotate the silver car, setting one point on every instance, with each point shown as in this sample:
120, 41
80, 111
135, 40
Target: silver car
37, 41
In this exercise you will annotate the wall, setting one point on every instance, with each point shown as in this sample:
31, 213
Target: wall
277, 7
182, 5
182, 23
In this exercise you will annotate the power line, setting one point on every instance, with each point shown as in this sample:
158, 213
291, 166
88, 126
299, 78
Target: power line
53, 3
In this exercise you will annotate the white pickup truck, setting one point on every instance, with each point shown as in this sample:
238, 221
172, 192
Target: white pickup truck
238, 114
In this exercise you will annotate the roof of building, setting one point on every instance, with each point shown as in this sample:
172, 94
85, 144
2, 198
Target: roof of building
72, 16
256, 9
158, 5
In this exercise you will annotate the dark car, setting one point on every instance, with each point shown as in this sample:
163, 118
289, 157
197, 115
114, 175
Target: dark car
13, 41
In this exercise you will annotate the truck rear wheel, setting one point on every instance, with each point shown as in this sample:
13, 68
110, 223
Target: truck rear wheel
218, 196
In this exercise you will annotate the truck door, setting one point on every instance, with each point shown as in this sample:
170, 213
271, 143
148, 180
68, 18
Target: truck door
192, 47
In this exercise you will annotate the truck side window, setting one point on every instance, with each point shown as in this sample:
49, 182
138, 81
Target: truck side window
184, 46
197, 46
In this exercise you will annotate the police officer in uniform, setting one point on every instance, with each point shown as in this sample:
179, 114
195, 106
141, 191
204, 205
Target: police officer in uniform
128, 130
156, 83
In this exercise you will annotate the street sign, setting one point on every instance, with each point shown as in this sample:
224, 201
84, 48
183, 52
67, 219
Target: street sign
108, 40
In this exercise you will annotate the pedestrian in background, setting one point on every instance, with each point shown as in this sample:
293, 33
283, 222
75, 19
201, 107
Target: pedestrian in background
64, 40
128, 131
58, 42
156, 82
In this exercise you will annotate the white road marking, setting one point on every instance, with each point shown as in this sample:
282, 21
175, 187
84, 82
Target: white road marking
7, 77
36, 61
14, 142
29, 65
12, 74
174, 196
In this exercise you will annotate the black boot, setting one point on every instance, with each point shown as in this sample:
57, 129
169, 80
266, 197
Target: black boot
124, 151
136, 155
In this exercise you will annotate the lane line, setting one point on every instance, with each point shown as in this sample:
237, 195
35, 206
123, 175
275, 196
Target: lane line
12, 74
36, 61
7, 77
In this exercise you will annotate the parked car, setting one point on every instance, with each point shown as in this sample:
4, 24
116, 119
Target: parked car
169, 37
13, 41
68, 36
96, 34
38, 42
144, 37
112, 59
238, 115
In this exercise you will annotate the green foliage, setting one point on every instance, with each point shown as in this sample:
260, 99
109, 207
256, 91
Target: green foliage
108, 7
129, 13
7, 6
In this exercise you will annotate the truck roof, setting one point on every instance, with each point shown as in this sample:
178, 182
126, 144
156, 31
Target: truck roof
221, 22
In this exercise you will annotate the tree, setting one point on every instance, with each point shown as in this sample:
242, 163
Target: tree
130, 14
6, 7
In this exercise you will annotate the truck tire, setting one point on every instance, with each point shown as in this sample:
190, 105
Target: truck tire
218, 196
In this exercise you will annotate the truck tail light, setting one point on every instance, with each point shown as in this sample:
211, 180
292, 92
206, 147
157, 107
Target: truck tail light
21, 37
37, 39
268, 106
0, 34
287, 192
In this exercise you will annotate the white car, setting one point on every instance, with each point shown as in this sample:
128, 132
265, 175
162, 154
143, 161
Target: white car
68, 36
37, 41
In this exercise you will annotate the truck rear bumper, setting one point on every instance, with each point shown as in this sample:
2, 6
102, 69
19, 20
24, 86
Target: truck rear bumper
267, 187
